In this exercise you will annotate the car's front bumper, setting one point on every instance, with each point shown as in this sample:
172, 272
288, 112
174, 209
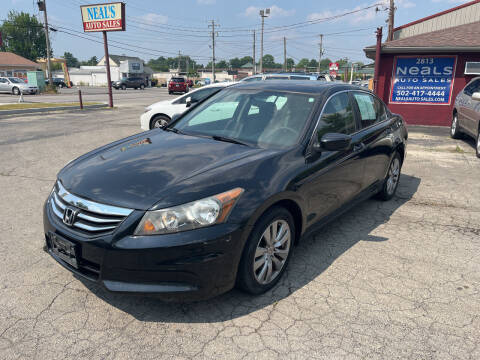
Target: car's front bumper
192, 265
145, 120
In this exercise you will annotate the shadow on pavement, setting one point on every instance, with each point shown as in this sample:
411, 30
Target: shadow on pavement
309, 260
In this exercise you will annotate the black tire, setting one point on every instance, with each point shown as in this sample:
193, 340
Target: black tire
247, 277
170, 92
477, 145
60, 86
142, 87
160, 120
15, 91
388, 191
455, 131
124, 87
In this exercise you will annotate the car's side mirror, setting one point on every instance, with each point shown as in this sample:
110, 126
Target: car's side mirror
335, 142
476, 96
188, 101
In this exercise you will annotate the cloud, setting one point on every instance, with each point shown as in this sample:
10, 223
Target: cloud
153, 19
206, 2
275, 11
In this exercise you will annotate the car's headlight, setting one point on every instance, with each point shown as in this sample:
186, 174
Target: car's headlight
196, 214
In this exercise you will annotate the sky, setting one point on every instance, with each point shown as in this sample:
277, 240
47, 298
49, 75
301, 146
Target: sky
163, 28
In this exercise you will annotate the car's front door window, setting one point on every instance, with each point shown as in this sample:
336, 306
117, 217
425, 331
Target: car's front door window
371, 109
337, 116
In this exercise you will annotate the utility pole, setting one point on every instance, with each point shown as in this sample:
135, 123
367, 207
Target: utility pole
254, 61
179, 55
187, 60
284, 54
391, 20
263, 15
42, 6
320, 52
213, 48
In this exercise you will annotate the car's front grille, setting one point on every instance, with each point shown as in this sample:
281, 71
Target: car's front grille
85, 216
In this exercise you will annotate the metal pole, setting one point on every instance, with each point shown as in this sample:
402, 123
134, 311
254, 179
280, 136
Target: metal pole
107, 62
320, 53
179, 69
377, 60
254, 61
80, 101
284, 54
391, 20
213, 49
261, 45
49, 66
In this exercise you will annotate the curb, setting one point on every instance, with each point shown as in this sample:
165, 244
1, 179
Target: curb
43, 110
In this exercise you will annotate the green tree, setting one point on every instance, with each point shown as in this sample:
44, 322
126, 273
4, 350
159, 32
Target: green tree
23, 35
313, 64
90, 62
268, 61
325, 64
71, 60
303, 63
290, 63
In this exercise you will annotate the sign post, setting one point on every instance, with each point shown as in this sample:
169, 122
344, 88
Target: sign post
104, 17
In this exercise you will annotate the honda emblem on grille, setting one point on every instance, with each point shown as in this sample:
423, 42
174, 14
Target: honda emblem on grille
69, 215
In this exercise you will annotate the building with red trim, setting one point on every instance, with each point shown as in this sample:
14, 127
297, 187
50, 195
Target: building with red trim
428, 62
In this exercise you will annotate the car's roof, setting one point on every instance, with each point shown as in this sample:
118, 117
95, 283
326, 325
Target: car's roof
309, 87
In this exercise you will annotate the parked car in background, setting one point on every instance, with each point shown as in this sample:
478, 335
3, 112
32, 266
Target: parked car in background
58, 82
15, 86
129, 82
220, 196
190, 83
279, 76
466, 113
177, 85
161, 113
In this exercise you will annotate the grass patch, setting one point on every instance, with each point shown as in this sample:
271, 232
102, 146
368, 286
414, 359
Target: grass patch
19, 106
458, 149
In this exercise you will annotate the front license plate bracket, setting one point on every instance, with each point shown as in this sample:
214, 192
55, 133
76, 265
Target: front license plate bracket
64, 249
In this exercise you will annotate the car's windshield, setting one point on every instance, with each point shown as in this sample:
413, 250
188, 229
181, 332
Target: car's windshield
177, 80
16, 80
268, 119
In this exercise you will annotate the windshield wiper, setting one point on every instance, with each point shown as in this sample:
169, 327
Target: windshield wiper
230, 140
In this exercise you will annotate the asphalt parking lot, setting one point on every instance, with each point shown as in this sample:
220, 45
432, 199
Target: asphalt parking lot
129, 97
390, 280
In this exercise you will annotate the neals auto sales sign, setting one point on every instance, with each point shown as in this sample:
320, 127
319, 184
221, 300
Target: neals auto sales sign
103, 17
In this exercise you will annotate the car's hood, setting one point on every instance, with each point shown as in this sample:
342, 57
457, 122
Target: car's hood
139, 171
161, 103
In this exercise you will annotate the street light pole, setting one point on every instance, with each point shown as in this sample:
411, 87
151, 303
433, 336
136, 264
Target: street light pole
42, 6
263, 14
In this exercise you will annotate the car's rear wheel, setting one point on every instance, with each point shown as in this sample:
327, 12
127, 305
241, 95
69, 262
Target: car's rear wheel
455, 127
392, 179
16, 91
124, 87
267, 251
159, 121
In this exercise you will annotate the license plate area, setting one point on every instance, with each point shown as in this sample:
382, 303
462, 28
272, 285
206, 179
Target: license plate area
64, 249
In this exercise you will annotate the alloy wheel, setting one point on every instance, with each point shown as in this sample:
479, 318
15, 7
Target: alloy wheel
160, 123
454, 125
272, 251
393, 176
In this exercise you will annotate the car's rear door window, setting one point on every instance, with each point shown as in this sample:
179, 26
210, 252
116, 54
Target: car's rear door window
370, 108
337, 116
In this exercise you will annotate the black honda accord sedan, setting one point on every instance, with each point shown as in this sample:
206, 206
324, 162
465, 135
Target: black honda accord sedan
220, 196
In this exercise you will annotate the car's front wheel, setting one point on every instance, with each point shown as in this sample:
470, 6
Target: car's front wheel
455, 127
142, 87
267, 251
124, 87
390, 183
159, 121
16, 91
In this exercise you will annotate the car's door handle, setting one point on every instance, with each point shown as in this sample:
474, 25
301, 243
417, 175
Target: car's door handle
358, 147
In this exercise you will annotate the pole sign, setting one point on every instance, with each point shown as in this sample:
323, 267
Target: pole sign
103, 17
333, 67
423, 80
